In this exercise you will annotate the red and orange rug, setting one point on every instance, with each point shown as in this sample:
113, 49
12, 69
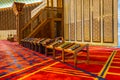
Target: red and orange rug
19, 63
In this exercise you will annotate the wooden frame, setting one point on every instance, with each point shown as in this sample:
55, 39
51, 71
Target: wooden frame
83, 47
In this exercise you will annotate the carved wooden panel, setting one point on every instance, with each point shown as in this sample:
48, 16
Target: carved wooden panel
96, 27
8, 18
108, 23
72, 31
66, 20
79, 21
93, 21
66, 32
86, 22
72, 20
0, 17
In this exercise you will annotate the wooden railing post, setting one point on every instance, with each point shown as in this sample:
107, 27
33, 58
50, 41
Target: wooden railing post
47, 3
52, 21
17, 8
59, 3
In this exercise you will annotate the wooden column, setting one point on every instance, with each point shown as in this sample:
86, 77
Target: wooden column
59, 3
62, 18
17, 8
47, 3
52, 21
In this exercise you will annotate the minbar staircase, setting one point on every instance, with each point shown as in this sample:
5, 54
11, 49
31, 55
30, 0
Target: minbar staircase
48, 22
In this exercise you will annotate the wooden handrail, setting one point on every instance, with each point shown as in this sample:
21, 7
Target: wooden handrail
26, 25
37, 28
41, 20
39, 13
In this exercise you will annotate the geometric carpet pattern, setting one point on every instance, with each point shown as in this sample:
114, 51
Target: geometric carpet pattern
13, 57
19, 63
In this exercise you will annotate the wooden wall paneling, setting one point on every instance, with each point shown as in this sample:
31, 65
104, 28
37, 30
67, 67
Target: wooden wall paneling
2, 28
2, 11
96, 20
66, 19
23, 18
3, 22
24, 12
72, 21
0, 18
4, 19
29, 13
8, 20
86, 22
26, 15
79, 21
27, 10
6, 26
8, 17
13, 19
108, 21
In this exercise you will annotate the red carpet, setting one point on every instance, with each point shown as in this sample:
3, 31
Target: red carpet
16, 58
24, 64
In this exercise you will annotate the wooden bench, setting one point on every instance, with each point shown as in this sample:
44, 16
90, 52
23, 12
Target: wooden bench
60, 47
74, 50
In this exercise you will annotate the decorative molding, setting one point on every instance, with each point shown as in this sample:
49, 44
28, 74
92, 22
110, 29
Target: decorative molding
18, 7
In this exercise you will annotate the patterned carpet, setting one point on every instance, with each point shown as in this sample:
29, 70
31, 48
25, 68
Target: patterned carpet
19, 63
14, 58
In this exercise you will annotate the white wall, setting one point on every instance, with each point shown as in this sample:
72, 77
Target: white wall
4, 33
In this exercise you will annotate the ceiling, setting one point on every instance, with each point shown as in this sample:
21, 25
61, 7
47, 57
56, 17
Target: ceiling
9, 3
